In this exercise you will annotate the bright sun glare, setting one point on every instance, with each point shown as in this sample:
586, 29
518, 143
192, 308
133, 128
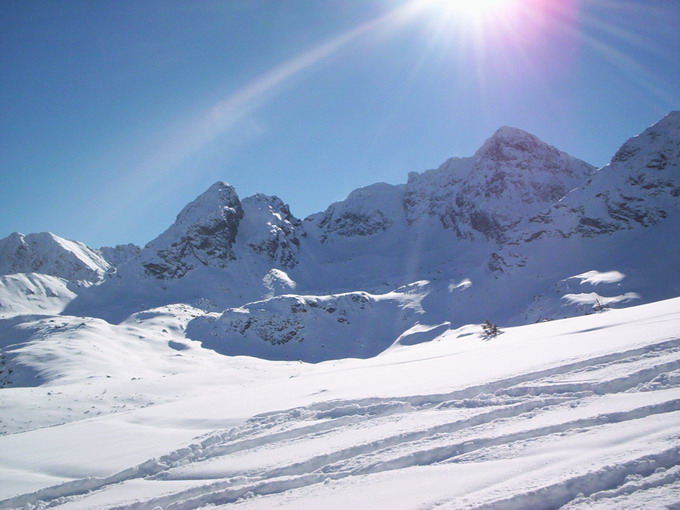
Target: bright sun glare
486, 23
473, 8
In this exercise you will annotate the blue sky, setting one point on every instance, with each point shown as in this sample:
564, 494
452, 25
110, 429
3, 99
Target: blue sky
115, 114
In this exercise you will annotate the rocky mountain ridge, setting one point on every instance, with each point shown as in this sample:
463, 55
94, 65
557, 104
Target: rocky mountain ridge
495, 235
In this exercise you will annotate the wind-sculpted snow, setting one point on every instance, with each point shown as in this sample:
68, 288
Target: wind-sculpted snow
580, 413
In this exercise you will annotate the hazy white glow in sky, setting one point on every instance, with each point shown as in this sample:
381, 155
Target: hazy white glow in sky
114, 117
232, 111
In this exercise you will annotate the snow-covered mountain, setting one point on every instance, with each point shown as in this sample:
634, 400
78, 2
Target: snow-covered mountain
119, 254
49, 254
512, 177
212, 367
42, 273
518, 218
639, 187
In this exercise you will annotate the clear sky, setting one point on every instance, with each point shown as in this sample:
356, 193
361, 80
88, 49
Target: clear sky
116, 114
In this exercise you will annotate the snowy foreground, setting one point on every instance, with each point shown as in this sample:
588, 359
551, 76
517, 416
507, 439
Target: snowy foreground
576, 413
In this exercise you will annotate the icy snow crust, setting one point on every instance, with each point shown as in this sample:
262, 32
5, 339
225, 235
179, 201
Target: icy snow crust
581, 412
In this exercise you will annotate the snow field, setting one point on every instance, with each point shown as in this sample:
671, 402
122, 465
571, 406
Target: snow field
578, 412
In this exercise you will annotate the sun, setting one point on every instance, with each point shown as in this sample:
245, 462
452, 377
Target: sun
471, 9
476, 18
483, 22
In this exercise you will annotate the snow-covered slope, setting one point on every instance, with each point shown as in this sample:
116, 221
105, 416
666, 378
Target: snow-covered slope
581, 412
49, 254
33, 293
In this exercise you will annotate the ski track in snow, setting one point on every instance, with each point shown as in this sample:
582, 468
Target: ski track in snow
470, 425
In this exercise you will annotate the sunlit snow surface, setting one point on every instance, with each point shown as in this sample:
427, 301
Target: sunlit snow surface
582, 412
178, 375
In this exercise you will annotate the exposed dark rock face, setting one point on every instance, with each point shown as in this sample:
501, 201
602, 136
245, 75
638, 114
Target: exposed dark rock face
203, 234
355, 224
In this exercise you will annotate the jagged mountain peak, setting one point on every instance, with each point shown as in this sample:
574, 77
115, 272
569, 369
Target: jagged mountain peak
509, 142
512, 177
513, 158
203, 235
510, 133
218, 200
217, 228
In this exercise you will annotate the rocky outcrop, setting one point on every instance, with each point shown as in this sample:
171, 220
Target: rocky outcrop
310, 328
